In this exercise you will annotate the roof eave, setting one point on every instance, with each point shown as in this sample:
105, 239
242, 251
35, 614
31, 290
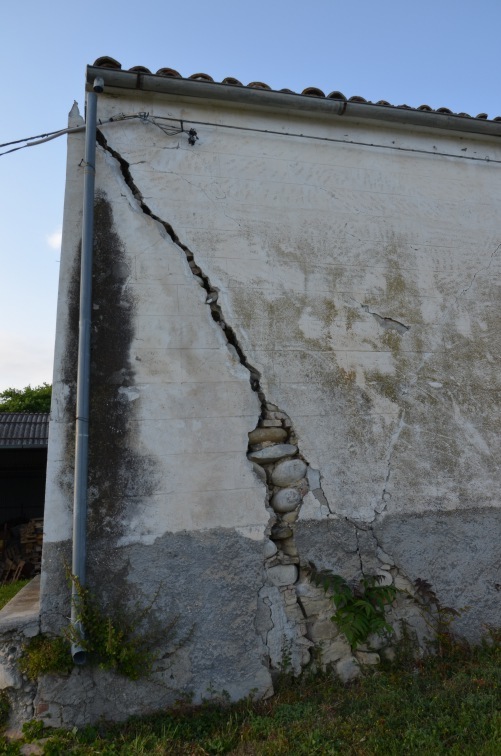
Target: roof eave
261, 98
25, 445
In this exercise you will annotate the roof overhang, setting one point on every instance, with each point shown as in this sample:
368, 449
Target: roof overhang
23, 447
136, 81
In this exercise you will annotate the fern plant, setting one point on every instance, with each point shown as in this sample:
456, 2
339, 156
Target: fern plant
360, 611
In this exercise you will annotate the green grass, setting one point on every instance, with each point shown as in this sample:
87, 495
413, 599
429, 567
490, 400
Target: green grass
448, 704
7, 592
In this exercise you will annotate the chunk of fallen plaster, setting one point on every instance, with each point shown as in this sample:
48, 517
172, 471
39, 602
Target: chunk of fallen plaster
288, 472
261, 474
313, 478
282, 574
286, 500
272, 453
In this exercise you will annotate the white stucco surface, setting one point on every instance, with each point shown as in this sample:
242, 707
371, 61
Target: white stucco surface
314, 241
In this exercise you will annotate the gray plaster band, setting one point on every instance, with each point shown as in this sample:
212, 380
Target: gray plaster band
208, 582
458, 553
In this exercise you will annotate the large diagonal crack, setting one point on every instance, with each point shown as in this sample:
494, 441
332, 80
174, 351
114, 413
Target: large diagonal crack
269, 411
274, 434
203, 278
285, 560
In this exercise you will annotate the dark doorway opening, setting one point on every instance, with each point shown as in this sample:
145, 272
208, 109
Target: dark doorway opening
23, 465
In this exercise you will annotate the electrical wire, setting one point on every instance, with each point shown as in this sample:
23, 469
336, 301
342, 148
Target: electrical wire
485, 159
41, 138
47, 138
192, 136
28, 139
33, 141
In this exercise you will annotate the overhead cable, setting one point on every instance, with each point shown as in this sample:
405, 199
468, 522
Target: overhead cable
41, 138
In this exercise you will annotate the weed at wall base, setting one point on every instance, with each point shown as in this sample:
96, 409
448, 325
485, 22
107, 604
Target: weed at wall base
44, 655
112, 642
360, 611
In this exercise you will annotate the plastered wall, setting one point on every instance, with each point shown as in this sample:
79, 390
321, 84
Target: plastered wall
328, 286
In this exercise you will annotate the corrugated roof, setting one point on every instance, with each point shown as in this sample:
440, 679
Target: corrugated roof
107, 62
22, 430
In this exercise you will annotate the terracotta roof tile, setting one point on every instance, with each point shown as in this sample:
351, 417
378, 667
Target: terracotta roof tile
336, 96
233, 82
201, 77
171, 72
313, 92
258, 85
107, 62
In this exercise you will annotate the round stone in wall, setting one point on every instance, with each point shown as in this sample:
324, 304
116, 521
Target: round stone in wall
282, 574
280, 532
264, 435
288, 472
286, 500
272, 453
270, 549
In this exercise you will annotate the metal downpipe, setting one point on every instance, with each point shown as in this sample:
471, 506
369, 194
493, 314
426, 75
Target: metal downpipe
79, 555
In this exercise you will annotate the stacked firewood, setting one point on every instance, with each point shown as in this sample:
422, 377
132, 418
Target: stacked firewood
31, 539
21, 550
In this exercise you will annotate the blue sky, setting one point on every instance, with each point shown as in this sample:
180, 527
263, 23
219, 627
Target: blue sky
438, 52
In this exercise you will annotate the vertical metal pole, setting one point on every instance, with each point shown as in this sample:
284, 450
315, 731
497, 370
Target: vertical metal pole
79, 556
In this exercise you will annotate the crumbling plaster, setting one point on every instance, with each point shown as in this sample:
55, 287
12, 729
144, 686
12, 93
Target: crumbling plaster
340, 284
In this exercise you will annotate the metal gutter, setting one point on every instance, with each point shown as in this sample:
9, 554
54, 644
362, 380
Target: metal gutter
263, 98
80, 491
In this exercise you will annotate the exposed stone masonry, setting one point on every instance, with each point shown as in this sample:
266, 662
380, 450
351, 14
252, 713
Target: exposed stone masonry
294, 615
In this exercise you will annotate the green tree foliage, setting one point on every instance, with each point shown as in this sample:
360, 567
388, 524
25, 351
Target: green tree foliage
36, 399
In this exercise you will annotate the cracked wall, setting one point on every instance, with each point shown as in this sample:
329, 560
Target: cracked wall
309, 376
